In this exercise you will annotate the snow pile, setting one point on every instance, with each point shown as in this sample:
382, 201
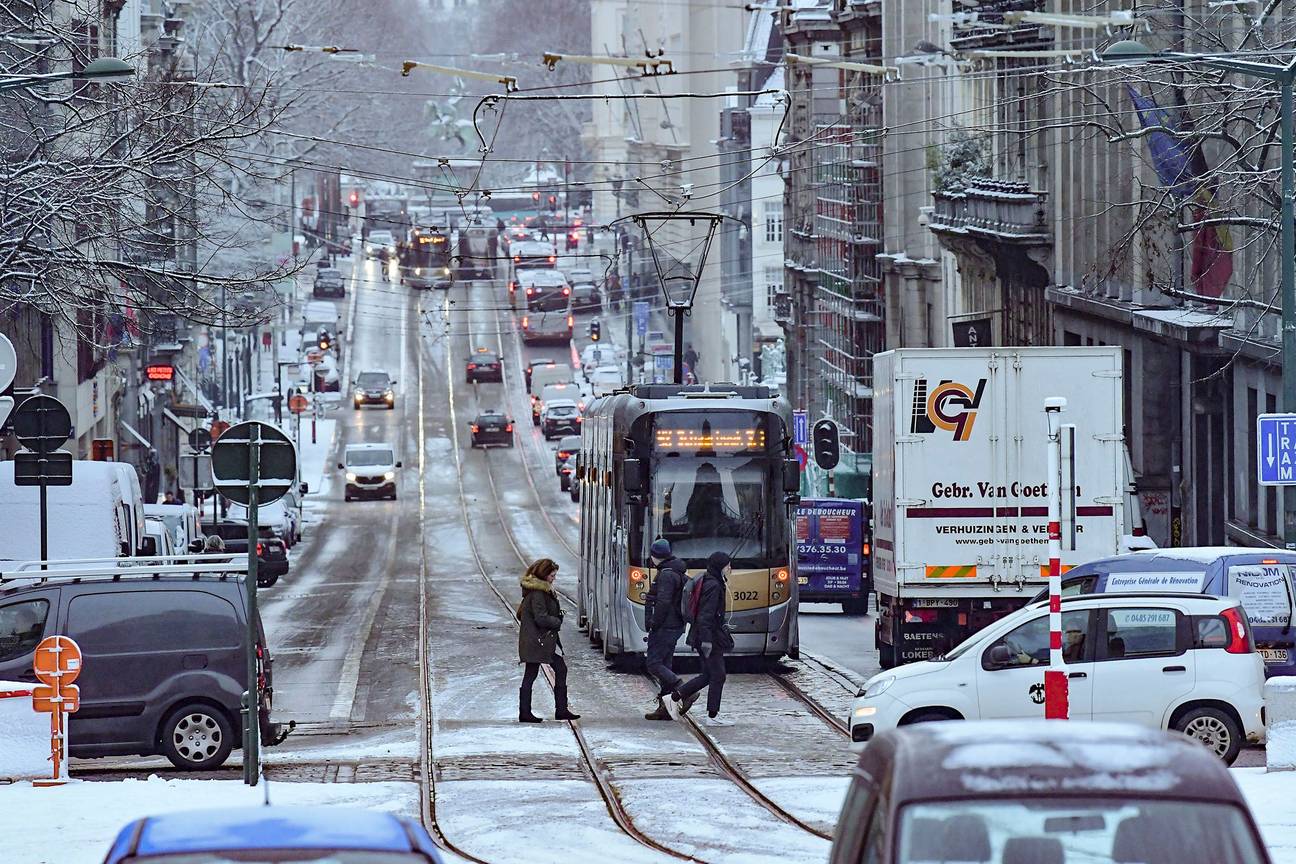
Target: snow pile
83, 521
1269, 795
25, 743
1280, 734
84, 817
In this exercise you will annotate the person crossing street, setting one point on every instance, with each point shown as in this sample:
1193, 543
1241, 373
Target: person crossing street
664, 621
539, 622
709, 636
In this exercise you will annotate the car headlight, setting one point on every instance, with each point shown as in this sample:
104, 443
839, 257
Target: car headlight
390, 475
864, 711
389, 395
418, 271
878, 686
351, 476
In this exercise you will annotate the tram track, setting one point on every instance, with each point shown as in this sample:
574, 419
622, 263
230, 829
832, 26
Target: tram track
721, 760
607, 791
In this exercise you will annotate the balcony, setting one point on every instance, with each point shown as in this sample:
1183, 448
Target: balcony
1001, 211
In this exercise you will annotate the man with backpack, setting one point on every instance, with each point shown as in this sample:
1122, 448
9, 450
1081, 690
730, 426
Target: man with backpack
704, 609
665, 622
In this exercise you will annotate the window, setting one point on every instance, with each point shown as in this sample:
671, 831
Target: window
21, 628
122, 622
1028, 644
1210, 631
773, 284
774, 222
1141, 632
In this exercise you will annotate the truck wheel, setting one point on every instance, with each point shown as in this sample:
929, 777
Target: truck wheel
1214, 728
197, 737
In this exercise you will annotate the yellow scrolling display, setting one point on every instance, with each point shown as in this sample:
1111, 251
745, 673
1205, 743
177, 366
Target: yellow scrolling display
710, 439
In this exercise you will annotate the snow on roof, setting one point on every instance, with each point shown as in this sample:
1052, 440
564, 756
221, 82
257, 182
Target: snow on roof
83, 521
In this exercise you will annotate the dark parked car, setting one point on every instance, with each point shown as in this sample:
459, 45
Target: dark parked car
484, 365
559, 416
329, 283
492, 427
270, 835
532, 364
272, 554
164, 668
1040, 792
567, 447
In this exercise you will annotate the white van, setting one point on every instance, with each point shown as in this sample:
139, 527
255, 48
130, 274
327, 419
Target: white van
553, 373
181, 520
99, 516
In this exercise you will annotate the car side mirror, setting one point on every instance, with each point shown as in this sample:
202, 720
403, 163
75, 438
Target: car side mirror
1000, 655
791, 476
148, 546
632, 476
304, 488
341, 467
398, 464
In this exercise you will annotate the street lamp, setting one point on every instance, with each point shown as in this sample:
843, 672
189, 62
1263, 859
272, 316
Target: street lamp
1130, 51
102, 69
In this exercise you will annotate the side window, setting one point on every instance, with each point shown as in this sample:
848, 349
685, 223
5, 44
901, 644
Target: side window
875, 837
1028, 644
21, 627
122, 622
1081, 585
1210, 631
1138, 632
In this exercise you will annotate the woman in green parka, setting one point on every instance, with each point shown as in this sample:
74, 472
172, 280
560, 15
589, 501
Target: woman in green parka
539, 620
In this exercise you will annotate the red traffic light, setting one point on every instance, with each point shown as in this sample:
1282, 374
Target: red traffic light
355, 197
535, 196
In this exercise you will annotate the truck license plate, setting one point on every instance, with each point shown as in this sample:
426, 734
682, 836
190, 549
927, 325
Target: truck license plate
1275, 655
935, 603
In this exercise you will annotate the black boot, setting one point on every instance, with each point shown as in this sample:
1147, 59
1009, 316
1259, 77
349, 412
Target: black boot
560, 705
524, 707
660, 713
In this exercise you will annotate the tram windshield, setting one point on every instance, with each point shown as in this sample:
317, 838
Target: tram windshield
711, 488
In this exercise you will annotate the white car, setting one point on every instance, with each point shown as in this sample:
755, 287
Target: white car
380, 244
277, 516
606, 380
599, 354
370, 471
1182, 662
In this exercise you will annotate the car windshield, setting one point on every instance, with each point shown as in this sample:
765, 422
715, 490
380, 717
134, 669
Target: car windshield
1091, 830
372, 379
562, 410
491, 418
549, 300
484, 357
359, 458
288, 856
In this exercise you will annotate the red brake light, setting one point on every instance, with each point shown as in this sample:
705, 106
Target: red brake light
1239, 633
508, 428
260, 549
553, 259
517, 259
512, 286
570, 322
526, 322
475, 428
530, 291
566, 291
865, 549
472, 365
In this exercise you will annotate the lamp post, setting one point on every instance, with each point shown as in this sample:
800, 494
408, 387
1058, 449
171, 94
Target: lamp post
1129, 52
102, 69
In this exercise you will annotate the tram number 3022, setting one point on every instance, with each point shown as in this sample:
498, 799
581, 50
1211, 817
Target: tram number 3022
745, 595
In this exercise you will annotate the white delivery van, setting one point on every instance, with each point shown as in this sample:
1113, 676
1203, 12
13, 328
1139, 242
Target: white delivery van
99, 516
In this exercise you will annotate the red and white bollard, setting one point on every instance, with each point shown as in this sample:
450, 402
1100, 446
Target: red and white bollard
1055, 679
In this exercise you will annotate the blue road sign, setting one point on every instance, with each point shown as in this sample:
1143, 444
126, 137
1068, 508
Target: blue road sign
641, 316
1276, 449
800, 428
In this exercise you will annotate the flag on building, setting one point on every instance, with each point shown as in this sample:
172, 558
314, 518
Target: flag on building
1212, 249
1179, 163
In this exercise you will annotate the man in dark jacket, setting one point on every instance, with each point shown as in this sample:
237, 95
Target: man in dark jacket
709, 636
664, 622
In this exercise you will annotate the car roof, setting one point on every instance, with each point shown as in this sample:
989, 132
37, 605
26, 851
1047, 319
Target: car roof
561, 403
1125, 598
491, 412
1186, 558
608, 370
1032, 758
371, 445
374, 372
566, 439
245, 828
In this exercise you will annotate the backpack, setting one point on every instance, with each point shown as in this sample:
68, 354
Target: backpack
691, 598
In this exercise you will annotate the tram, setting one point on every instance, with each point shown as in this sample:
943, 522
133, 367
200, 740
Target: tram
710, 468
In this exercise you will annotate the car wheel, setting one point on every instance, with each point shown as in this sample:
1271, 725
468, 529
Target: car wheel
929, 717
346, 497
267, 581
1213, 728
197, 737
391, 407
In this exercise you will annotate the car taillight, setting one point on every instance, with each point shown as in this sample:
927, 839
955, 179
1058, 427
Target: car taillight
261, 678
475, 428
517, 259
472, 365
1239, 633
508, 428
865, 549
566, 291
530, 291
570, 322
512, 287
260, 550
580, 419
553, 259
921, 616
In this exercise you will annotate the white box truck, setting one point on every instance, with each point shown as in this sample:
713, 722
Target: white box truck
960, 507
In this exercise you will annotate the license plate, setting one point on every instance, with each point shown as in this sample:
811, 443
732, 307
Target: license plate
1275, 655
934, 603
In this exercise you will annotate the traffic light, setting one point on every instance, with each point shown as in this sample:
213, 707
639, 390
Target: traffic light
827, 448
355, 197
596, 331
553, 202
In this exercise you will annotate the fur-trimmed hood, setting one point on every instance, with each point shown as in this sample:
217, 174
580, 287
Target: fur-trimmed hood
534, 584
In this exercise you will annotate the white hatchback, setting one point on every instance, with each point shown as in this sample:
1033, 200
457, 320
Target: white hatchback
1182, 662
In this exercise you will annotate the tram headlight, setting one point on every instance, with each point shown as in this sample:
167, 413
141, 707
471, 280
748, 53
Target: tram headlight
637, 577
781, 576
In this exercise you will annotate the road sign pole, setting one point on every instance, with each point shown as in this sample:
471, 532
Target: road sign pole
252, 722
44, 522
629, 345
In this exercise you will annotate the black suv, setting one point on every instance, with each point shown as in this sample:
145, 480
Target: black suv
164, 666
483, 365
272, 554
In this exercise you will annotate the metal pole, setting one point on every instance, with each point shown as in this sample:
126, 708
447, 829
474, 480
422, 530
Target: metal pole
225, 371
1055, 680
629, 316
252, 720
679, 343
44, 518
1288, 259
